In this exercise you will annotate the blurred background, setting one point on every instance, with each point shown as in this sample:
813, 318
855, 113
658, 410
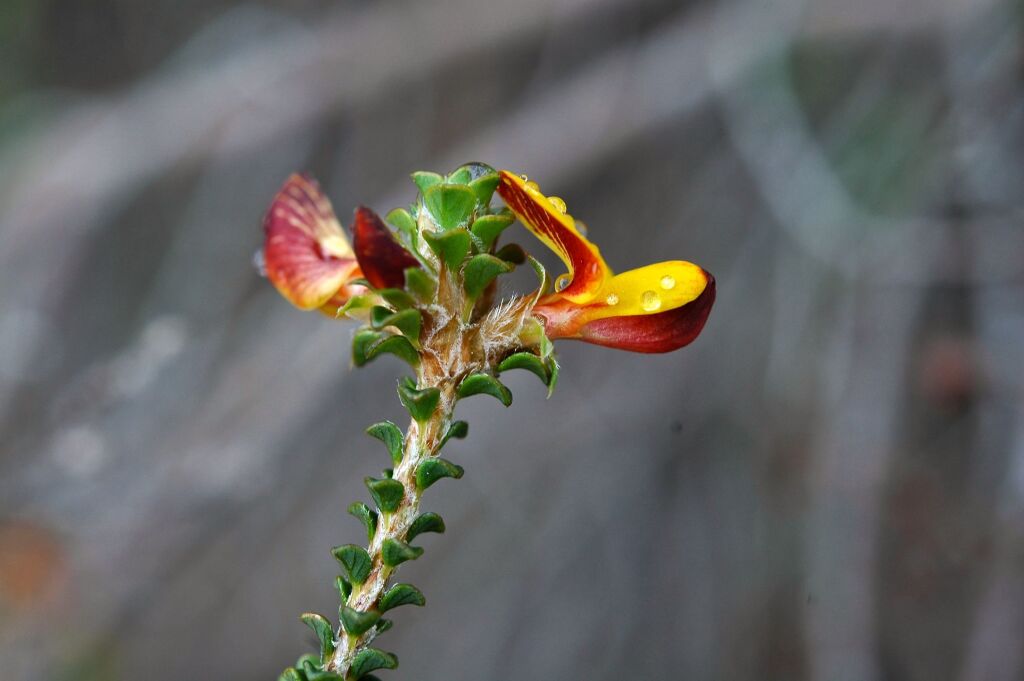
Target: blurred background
828, 485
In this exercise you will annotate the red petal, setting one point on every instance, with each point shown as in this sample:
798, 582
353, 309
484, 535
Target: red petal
661, 332
307, 256
382, 259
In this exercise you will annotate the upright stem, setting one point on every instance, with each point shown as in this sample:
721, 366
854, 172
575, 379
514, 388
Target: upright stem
422, 441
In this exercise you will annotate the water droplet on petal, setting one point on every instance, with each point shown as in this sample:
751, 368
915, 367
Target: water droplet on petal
612, 299
558, 203
668, 282
534, 186
650, 301
524, 178
259, 261
562, 281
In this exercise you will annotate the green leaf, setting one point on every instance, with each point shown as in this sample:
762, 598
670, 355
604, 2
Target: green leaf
481, 271
308, 661
291, 674
432, 470
553, 370
420, 403
457, 429
528, 361
386, 493
401, 594
382, 626
355, 622
483, 187
400, 346
420, 284
449, 204
325, 676
343, 586
460, 176
485, 384
357, 303
404, 222
362, 344
488, 227
512, 253
355, 561
425, 180
390, 434
425, 522
367, 516
370, 659
395, 552
398, 298
450, 247
323, 630
406, 321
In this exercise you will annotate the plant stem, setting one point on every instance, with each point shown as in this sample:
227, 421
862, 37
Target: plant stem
422, 440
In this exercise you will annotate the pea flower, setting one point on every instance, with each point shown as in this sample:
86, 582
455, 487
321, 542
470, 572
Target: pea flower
657, 308
310, 261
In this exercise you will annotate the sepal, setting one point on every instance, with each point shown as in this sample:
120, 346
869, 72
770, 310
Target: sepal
484, 384
432, 470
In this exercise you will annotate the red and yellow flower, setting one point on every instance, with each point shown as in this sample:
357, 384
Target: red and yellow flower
657, 308
309, 259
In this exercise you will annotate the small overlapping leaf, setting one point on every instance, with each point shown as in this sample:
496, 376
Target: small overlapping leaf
485, 384
368, 344
483, 187
343, 586
432, 470
386, 493
323, 630
481, 270
487, 228
388, 433
528, 361
401, 594
408, 322
371, 659
456, 429
367, 516
421, 285
449, 204
395, 552
355, 561
425, 180
420, 403
450, 247
356, 622
425, 522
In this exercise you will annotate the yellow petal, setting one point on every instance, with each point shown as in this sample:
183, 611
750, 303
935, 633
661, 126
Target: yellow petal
651, 289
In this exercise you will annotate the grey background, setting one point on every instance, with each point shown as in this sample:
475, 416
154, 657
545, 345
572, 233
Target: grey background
827, 485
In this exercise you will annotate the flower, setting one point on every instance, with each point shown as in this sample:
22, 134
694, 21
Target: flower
308, 258
657, 308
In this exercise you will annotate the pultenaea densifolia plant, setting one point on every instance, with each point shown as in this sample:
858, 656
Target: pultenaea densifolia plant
427, 293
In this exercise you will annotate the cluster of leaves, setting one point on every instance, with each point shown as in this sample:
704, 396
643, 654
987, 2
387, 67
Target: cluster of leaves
461, 231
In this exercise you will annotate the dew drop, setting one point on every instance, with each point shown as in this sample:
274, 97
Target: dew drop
668, 282
259, 261
533, 185
612, 299
524, 178
558, 203
562, 281
650, 301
